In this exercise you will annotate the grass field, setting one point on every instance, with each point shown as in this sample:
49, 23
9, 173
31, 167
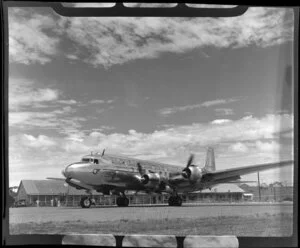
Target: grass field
264, 225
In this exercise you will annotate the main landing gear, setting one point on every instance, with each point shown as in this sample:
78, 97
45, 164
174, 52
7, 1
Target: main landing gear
122, 201
86, 202
175, 200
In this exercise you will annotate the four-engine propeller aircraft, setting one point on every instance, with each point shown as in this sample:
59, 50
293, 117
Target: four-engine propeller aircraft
111, 174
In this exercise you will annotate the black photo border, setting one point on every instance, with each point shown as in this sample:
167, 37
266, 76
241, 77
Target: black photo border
119, 10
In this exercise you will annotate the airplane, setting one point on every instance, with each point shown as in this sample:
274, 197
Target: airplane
114, 174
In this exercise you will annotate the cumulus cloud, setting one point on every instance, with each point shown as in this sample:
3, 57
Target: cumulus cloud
220, 121
272, 146
190, 138
240, 142
118, 40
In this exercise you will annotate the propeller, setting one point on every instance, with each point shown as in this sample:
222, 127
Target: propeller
140, 169
186, 173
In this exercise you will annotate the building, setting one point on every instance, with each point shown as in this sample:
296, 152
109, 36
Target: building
218, 193
48, 193
272, 192
55, 193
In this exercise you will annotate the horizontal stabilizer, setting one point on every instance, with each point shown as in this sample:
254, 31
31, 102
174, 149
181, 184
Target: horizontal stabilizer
55, 178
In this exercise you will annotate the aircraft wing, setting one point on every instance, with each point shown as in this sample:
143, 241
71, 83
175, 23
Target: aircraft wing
231, 173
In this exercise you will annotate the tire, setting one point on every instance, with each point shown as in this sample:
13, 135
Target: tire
171, 201
178, 201
175, 201
125, 202
85, 202
122, 202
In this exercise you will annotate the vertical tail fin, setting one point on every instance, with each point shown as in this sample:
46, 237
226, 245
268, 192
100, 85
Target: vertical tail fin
210, 160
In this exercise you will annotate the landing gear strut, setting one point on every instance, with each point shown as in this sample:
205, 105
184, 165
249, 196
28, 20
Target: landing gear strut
122, 201
175, 200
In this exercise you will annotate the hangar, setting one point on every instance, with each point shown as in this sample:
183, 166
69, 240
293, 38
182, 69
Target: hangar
220, 192
48, 193
55, 193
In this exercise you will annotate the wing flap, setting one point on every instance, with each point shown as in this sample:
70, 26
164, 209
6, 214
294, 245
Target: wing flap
223, 174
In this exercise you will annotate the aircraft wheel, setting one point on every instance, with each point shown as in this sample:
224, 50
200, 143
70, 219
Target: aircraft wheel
171, 201
175, 201
85, 202
122, 201
125, 202
178, 201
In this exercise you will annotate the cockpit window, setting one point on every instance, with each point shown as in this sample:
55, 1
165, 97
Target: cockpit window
85, 160
96, 161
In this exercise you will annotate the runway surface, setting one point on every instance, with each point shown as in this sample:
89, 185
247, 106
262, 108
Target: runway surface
142, 213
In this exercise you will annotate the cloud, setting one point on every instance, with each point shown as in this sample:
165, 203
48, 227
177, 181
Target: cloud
26, 98
98, 101
29, 38
191, 138
240, 142
70, 102
172, 110
239, 147
24, 93
40, 142
218, 102
220, 121
268, 146
224, 111
118, 40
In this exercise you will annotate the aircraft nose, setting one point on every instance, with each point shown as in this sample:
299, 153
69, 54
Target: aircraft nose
64, 173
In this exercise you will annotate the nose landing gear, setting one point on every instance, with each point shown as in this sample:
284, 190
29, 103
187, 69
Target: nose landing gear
85, 202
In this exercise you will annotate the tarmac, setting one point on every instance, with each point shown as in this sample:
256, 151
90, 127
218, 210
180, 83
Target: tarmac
154, 212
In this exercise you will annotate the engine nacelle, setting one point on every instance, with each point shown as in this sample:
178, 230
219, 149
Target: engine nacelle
151, 180
193, 173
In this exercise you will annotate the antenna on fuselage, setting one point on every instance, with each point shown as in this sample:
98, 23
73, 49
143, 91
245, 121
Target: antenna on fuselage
103, 152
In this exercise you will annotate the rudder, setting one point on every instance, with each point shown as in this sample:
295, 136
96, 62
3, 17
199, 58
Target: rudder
210, 160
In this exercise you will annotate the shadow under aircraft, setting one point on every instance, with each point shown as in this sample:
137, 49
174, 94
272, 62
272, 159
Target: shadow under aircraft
112, 174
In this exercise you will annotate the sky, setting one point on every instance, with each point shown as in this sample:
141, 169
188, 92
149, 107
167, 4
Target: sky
150, 88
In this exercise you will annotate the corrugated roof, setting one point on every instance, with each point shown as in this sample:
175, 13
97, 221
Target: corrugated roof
223, 188
50, 187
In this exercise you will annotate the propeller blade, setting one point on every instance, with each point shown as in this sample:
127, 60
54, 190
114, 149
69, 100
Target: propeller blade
186, 171
140, 169
190, 161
